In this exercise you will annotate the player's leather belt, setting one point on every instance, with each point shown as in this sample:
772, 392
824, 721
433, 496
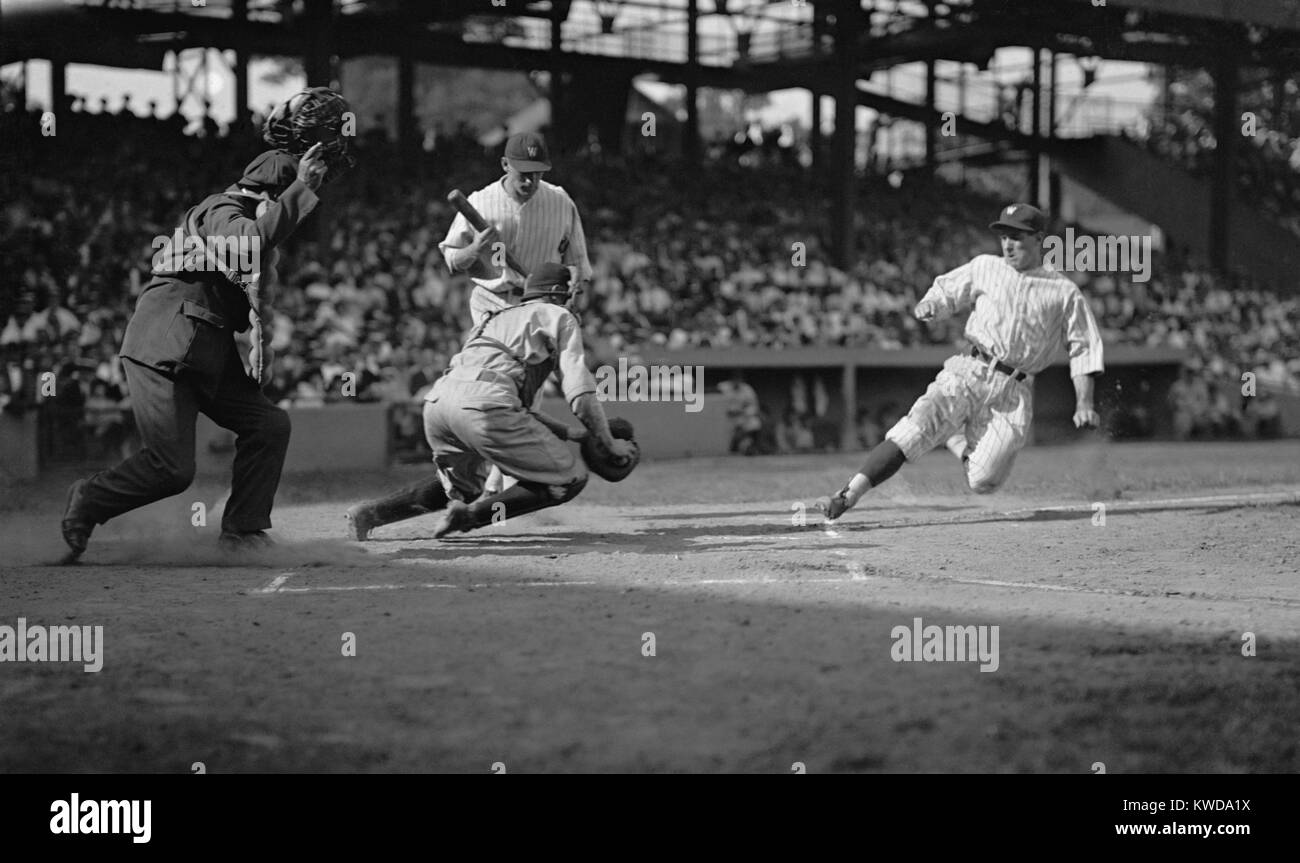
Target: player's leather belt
999, 365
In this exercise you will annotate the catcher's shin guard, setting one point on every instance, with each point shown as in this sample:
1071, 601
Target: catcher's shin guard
517, 500
419, 499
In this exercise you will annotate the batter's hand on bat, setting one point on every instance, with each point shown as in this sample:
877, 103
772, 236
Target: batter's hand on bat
311, 167
1086, 417
485, 239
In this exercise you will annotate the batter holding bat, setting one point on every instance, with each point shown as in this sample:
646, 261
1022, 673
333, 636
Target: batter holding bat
525, 222
981, 404
529, 222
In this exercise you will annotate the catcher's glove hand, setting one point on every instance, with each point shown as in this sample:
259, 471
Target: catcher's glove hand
317, 115
605, 464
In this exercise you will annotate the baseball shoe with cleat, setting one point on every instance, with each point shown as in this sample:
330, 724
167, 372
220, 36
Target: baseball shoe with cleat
836, 505
455, 519
76, 526
233, 542
360, 522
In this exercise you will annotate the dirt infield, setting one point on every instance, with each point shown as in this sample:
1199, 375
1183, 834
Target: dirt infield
773, 641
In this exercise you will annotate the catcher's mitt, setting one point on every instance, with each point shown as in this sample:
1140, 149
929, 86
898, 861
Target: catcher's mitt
601, 462
316, 115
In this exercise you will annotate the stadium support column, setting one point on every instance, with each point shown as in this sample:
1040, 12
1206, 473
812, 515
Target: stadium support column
599, 101
1226, 132
961, 110
1035, 146
931, 119
849, 395
691, 132
1053, 176
241, 86
239, 12
559, 141
844, 144
319, 41
58, 92
406, 143
815, 133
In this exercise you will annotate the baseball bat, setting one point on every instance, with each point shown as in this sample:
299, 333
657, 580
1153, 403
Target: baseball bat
458, 200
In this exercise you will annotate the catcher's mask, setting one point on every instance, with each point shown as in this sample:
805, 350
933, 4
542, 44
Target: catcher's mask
549, 281
316, 115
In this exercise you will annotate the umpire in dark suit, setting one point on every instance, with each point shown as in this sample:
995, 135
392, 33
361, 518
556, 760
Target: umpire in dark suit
180, 358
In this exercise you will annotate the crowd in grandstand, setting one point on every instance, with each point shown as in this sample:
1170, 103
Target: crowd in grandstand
722, 257
1268, 161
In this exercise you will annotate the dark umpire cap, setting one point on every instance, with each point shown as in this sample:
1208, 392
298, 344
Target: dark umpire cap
272, 171
1021, 217
527, 153
548, 280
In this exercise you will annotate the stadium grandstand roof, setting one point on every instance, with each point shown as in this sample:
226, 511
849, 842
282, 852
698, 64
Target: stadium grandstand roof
777, 42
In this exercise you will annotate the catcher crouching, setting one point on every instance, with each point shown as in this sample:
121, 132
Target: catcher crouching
477, 415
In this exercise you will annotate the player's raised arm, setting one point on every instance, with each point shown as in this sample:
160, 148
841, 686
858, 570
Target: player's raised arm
286, 184
1083, 339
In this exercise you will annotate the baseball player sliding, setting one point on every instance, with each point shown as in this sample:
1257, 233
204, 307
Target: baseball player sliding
478, 411
536, 221
981, 403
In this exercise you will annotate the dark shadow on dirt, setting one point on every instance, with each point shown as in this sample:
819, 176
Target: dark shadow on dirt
556, 680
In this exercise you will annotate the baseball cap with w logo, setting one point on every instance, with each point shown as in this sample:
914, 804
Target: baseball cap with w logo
527, 153
1021, 217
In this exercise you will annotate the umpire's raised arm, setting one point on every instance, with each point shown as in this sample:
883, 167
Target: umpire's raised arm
288, 187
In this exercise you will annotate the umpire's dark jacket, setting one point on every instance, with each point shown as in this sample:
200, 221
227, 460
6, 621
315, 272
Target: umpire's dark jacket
184, 322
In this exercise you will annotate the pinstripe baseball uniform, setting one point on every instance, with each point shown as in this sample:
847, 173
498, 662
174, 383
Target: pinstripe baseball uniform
545, 228
1019, 319
477, 411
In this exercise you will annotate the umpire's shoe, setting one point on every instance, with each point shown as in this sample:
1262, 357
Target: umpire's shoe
360, 522
233, 542
77, 526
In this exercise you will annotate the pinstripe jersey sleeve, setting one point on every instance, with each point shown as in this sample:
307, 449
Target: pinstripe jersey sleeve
1082, 335
458, 237
954, 291
495, 207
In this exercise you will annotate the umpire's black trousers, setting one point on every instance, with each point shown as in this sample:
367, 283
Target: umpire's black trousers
166, 411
